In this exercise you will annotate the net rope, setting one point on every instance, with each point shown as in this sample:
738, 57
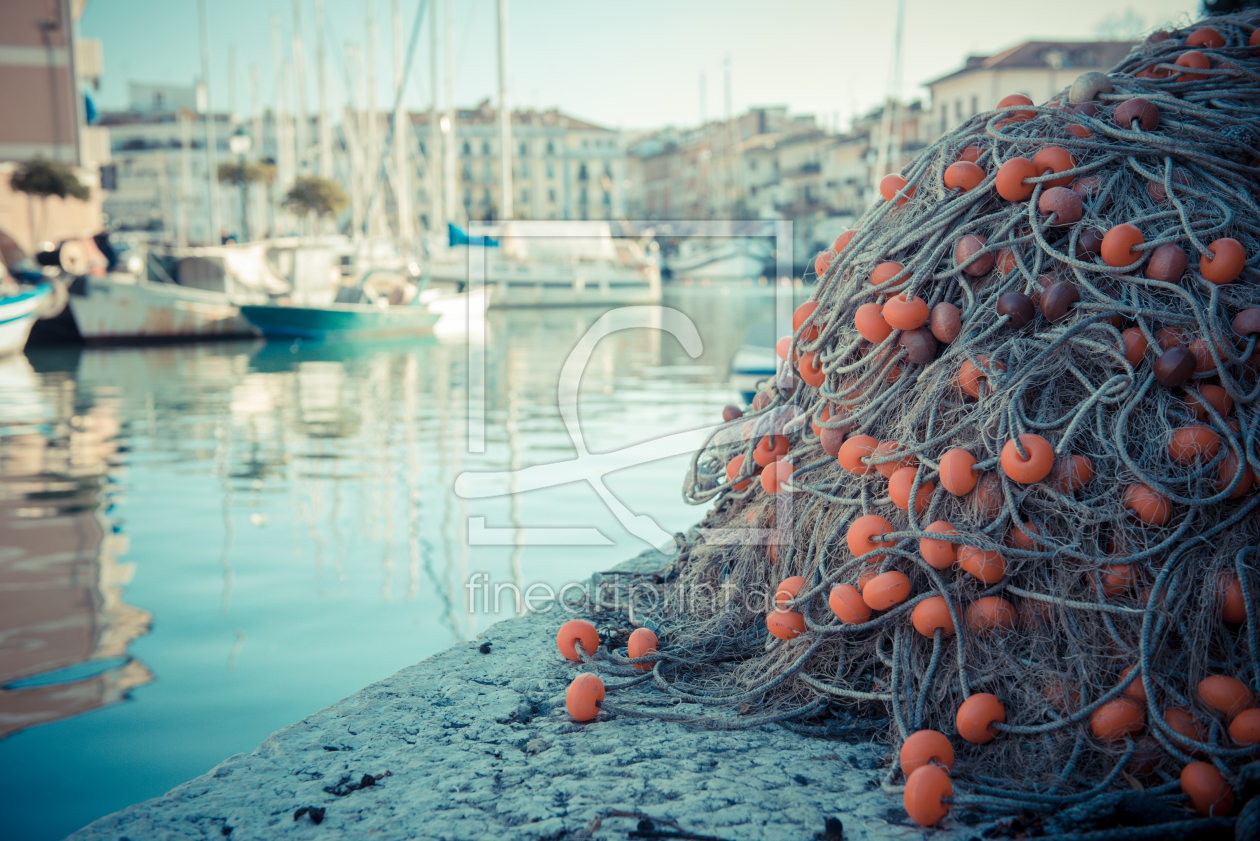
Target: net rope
1105, 605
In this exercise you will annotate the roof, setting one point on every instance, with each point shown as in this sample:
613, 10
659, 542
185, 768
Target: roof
1086, 55
483, 114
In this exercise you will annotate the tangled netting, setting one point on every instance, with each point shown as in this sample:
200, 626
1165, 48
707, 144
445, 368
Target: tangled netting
1116, 570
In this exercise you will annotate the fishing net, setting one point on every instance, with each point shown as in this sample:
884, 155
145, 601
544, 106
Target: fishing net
1108, 606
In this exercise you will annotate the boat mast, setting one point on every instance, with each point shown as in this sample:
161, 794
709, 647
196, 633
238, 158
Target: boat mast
283, 173
301, 121
185, 179
433, 160
212, 142
325, 127
505, 120
373, 137
448, 147
883, 162
402, 129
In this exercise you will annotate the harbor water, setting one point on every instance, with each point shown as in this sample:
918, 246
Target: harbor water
203, 543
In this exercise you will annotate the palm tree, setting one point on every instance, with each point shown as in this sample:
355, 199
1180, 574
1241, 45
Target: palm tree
41, 178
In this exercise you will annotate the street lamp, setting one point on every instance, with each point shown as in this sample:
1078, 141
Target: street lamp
239, 144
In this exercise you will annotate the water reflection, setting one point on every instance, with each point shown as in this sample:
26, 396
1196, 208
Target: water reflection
293, 534
64, 627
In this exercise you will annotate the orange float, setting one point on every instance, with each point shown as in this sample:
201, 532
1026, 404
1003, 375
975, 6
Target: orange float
1209, 395
773, 477
976, 717
733, 468
888, 468
843, 240
1228, 470
924, 797
1233, 608
810, 368
1118, 244
931, 614
1116, 719
975, 380
1017, 99
987, 565
584, 696
1147, 505
1245, 728
1226, 263
939, 554
787, 589
991, 613
1192, 60
853, 450
1036, 467
870, 323
1205, 36
923, 747
905, 313
821, 263
846, 603
785, 624
1191, 443
900, 485
956, 474
1117, 579
1208, 791
783, 347
771, 448
1135, 690
1010, 179
1181, 722
1226, 694
1022, 537
886, 590
885, 272
1071, 474
642, 643
893, 184
1054, 159
970, 154
964, 176
862, 533
577, 631
1134, 345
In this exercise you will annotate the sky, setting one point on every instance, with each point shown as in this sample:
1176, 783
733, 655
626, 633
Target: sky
623, 65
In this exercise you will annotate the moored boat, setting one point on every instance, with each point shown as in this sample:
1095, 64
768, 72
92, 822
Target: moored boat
339, 321
18, 313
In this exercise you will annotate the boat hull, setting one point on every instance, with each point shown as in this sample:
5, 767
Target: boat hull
123, 308
18, 314
347, 321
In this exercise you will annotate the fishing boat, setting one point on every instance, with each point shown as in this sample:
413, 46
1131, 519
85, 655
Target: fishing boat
18, 313
339, 321
720, 258
540, 264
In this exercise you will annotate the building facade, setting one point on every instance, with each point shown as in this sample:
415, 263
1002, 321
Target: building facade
1037, 69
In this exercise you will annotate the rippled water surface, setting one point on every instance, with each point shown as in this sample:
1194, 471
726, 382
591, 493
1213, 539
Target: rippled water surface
201, 544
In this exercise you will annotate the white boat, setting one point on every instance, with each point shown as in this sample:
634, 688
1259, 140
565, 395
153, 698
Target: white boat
534, 264
18, 313
719, 258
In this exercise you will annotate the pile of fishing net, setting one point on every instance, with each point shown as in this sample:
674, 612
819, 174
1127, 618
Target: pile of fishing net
1046, 336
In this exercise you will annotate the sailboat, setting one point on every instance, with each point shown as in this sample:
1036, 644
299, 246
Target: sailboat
18, 313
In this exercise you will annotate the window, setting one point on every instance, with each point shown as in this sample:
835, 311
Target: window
524, 150
524, 196
551, 196
485, 147
485, 196
607, 199
944, 116
957, 109
524, 169
468, 172
551, 170
551, 148
467, 150
582, 176
975, 105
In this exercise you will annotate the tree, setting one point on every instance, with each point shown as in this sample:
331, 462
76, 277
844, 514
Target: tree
311, 195
242, 175
41, 178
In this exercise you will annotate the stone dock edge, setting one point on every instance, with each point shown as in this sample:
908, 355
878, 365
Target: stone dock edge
473, 745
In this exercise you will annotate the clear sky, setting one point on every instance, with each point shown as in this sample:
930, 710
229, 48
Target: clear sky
628, 65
